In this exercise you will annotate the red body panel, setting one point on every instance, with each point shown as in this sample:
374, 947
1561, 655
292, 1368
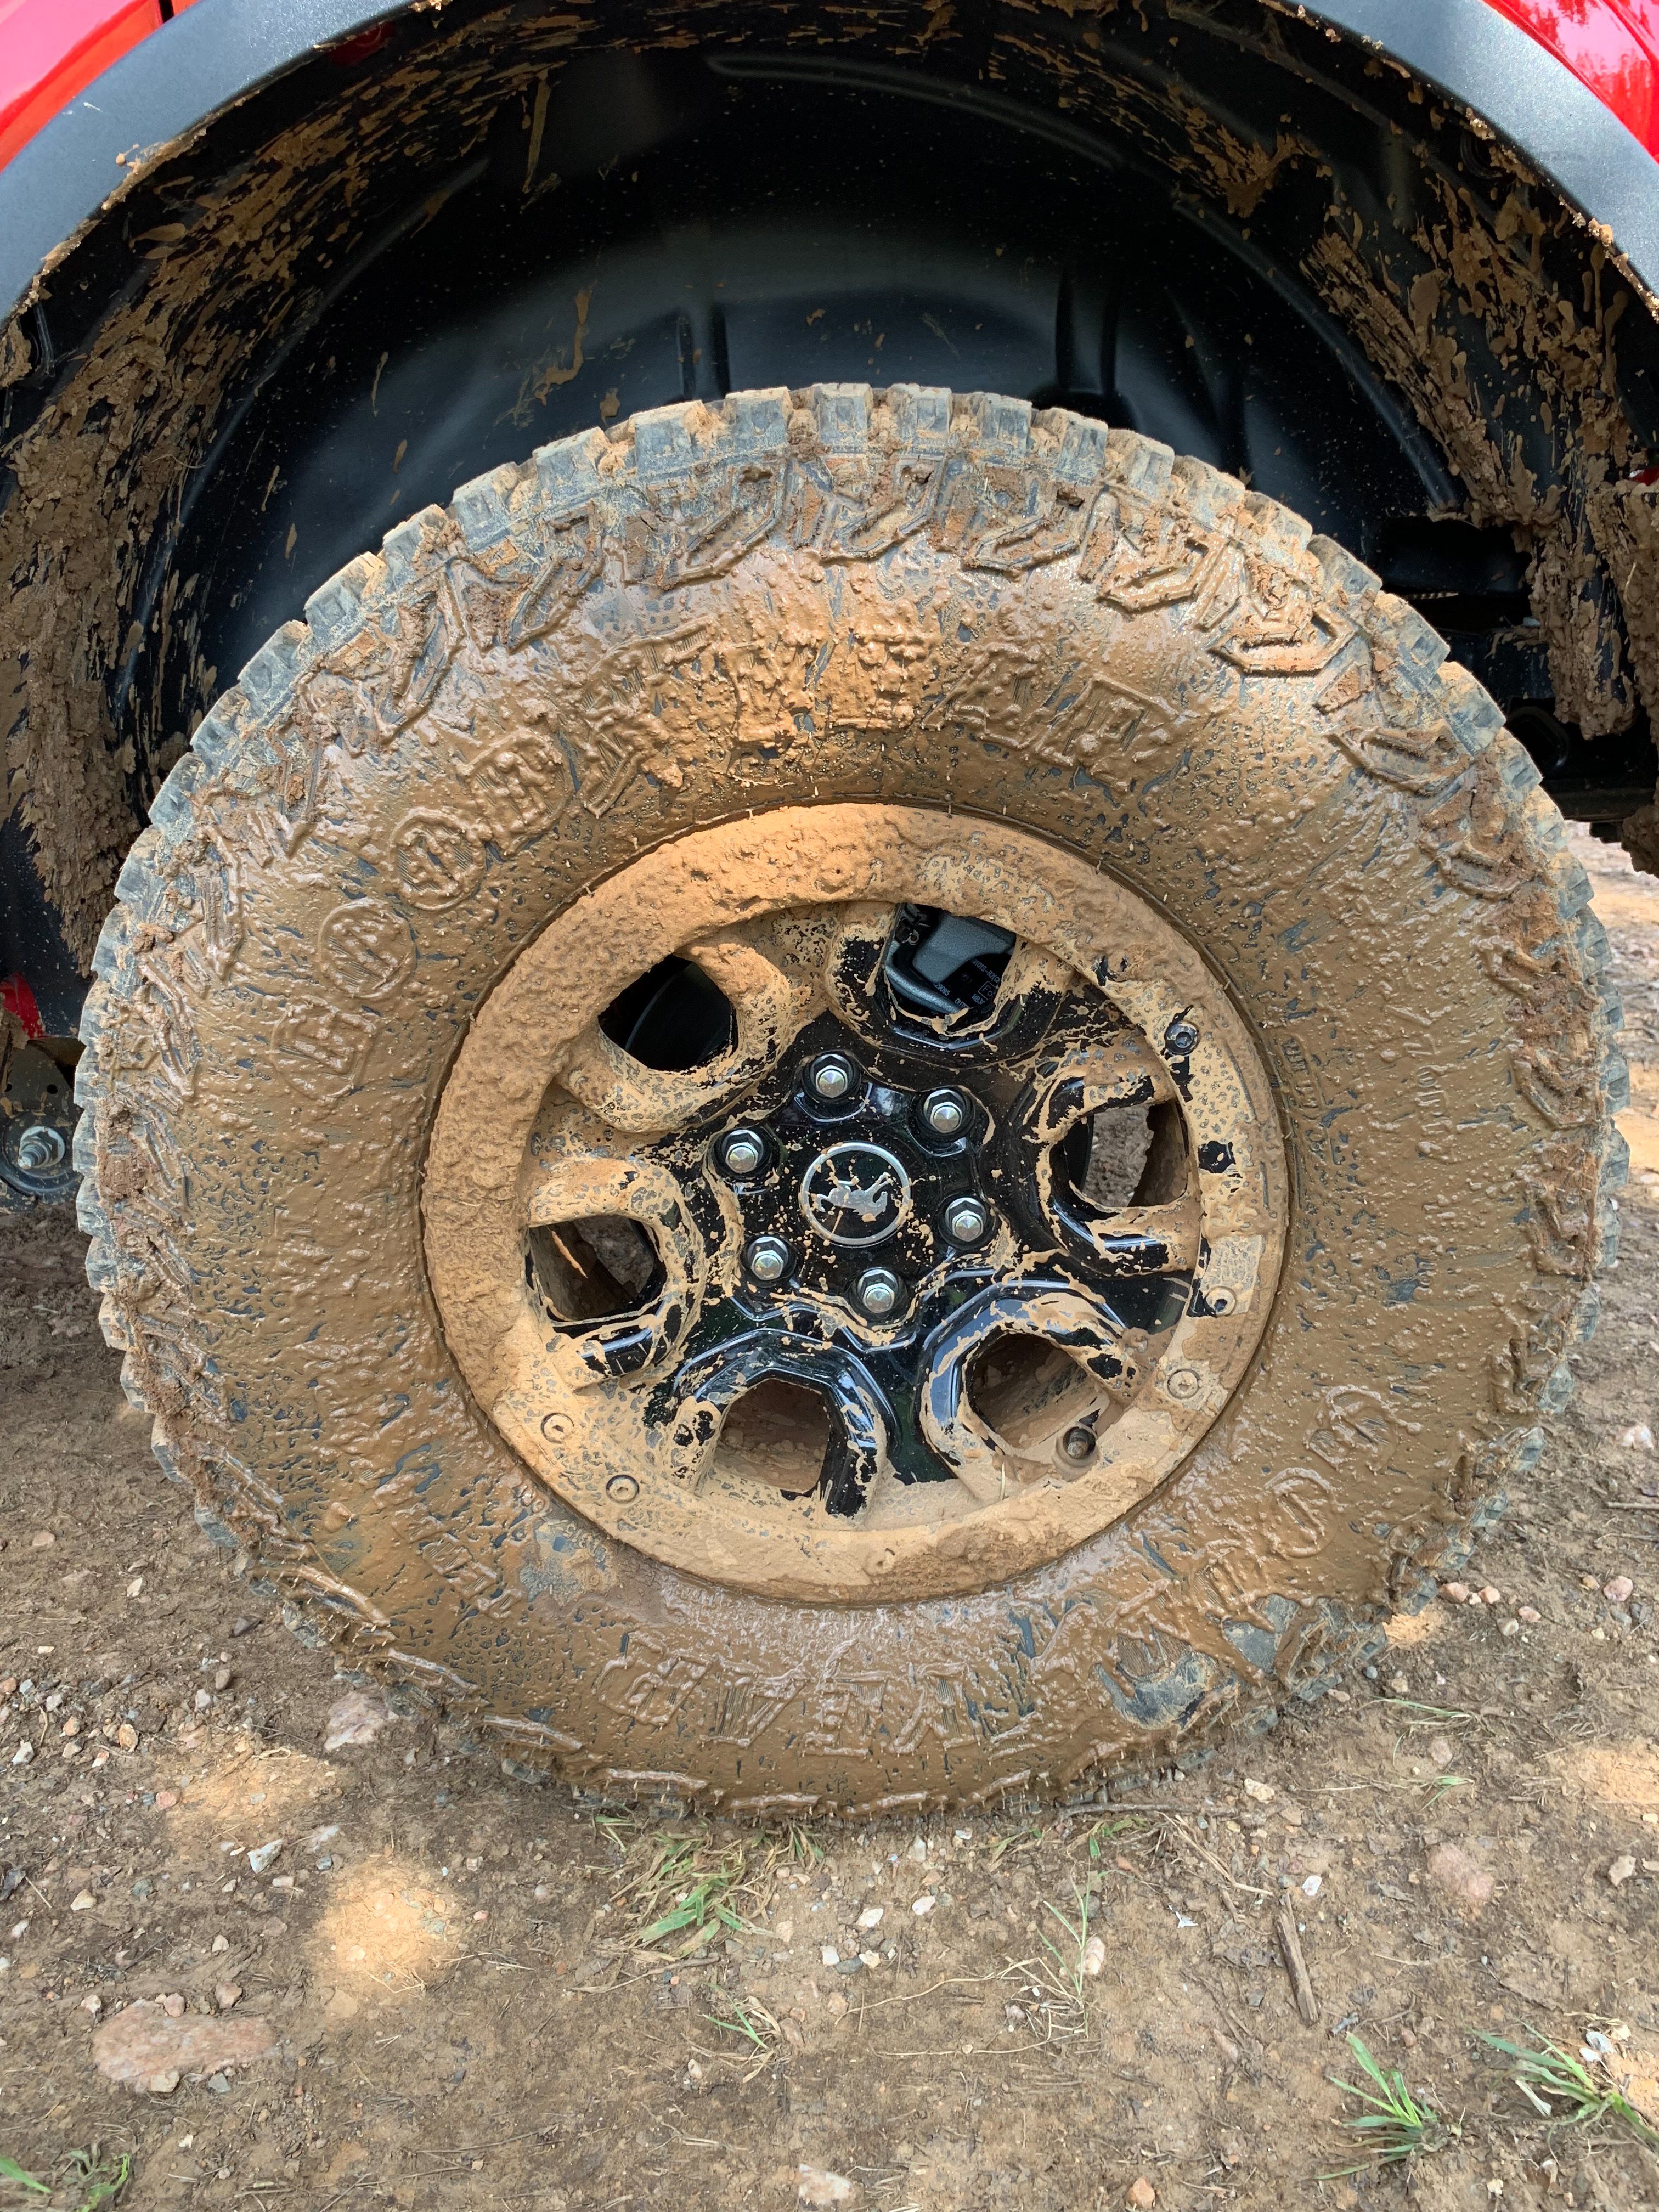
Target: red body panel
1611, 46
50, 49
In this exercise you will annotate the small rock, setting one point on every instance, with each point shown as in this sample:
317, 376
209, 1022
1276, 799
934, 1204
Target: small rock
1440, 1751
1142, 2193
94, 2004
817, 2186
919, 1849
166, 1800
1619, 1590
1637, 1437
1510, 1628
221, 1943
127, 1737
872, 1915
82, 1901
264, 1856
356, 1717
1530, 1613
830, 1955
145, 2048
1491, 1594
542, 1893
1313, 1885
241, 1624
836, 2006
1094, 1958
173, 2006
43, 1542
222, 1678
225, 1994
318, 1837
1455, 1593
220, 2084
924, 1903
135, 1587
24, 1753
1262, 1792
1461, 1877
1620, 1871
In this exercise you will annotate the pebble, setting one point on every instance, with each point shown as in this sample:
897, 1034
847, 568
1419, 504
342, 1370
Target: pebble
1530, 1615
542, 1893
1142, 2193
148, 2049
1619, 1590
241, 1624
94, 2004
871, 1915
22, 1756
1637, 1437
1491, 1594
264, 1856
127, 1737
166, 1800
225, 1994
1094, 1958
1620, 1871
43, 1542
1455, 1593
816, 2186
222, 1678
830, 1955
1441, 1753
1263, 1792
924, 1903
358, 1718
1453, 1870
83, 1901
174, 2005
221, 1943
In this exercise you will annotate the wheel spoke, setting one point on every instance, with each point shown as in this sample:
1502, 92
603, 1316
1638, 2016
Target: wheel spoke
992, 1462
690, 1408
768, 1003
580, 1209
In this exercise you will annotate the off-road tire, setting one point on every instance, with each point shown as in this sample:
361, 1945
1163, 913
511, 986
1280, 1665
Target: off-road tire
956, 605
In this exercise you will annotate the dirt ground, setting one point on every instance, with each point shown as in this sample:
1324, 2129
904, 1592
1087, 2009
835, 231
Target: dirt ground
448, 1965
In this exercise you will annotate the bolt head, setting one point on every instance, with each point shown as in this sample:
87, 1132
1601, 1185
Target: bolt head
833, 1077
878, 1290
946, 1113
1180, 1036
742, 1152
39, 1148
1078, 1444
767, 1259
967, 1220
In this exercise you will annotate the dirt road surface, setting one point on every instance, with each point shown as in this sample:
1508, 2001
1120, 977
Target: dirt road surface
450, 1986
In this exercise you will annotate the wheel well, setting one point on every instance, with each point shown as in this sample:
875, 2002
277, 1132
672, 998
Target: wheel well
367, 283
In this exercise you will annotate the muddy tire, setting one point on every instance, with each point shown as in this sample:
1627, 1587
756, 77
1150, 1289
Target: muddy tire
446, 1290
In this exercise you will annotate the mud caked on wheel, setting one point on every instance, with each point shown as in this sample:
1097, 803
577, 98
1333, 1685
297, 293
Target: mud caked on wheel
856, 1101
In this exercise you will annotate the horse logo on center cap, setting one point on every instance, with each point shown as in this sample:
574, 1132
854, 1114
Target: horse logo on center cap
855, 1194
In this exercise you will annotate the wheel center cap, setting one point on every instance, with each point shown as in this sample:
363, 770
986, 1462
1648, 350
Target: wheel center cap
855, 1194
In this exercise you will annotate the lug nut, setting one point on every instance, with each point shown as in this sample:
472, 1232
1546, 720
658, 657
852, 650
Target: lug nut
833, 1077
946, 1113
1079, 1443
767, 1258
1180, 1035
966, 1221
743, 1152
40, 1149
878, 1290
